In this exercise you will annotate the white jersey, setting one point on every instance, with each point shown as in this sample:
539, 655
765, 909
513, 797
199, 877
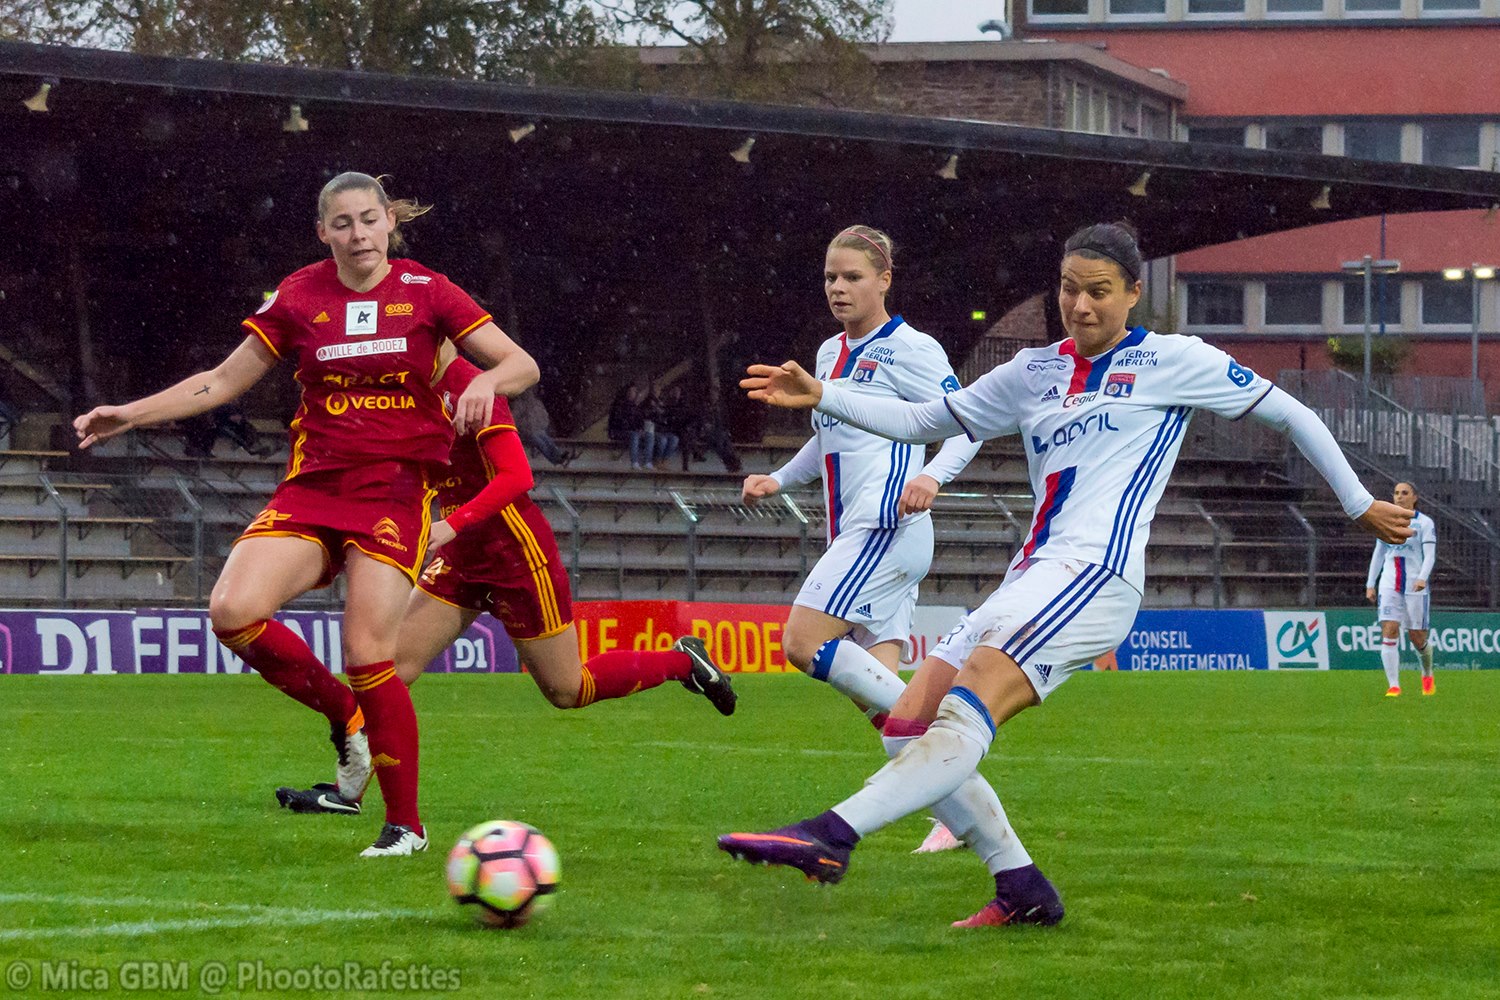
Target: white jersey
1102, 434
1397, 567
864, 474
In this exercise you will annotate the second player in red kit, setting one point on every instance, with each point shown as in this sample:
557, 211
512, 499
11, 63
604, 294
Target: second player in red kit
499, 556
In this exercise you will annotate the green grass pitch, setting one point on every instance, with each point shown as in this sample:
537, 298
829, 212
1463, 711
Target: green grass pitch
1213, 835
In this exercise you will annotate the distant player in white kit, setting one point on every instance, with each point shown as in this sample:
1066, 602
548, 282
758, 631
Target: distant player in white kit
1102, 415
1403, 598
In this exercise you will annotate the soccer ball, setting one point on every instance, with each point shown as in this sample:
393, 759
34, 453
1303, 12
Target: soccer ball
504, 871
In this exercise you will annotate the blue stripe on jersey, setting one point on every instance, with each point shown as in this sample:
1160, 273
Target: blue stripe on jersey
1174, 431
875, 548
1062, 609
1096, 373
885, 331
835, 494
1118, 550
895, 481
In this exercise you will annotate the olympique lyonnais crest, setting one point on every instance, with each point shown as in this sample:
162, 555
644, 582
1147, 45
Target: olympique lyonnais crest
1120, 384
864, 371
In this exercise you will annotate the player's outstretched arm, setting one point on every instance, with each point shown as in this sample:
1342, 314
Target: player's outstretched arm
1283, 411
787, 385
247, 365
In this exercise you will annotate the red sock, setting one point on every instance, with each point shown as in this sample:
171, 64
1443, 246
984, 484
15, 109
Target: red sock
290, 666
624, 672
391, 725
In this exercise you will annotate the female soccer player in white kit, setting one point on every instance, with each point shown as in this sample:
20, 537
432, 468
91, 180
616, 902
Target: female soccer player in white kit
1102, 415
1404, 601
852, 618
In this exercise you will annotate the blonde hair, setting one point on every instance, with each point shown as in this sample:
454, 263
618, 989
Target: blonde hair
875, 245
405, 209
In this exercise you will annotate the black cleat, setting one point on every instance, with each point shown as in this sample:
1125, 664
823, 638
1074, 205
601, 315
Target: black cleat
323, 797
706, 678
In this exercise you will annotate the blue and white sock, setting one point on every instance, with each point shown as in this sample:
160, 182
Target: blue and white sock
928, 769
849, 668
975, 816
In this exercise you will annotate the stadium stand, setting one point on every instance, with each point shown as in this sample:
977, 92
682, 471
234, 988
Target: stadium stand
1232, 531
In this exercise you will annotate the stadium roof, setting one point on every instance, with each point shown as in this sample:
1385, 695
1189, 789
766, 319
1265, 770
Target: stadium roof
624, 204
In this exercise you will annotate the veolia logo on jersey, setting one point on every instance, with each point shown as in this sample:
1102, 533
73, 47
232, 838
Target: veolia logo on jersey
360, 318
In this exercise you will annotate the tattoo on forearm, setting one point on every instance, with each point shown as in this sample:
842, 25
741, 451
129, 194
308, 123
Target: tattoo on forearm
202, 392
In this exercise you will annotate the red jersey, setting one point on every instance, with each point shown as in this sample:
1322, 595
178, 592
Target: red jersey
365, 361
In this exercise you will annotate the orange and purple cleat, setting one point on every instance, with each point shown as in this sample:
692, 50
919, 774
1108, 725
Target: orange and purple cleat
1393, 692
1429, 685
816, 847
1022, 896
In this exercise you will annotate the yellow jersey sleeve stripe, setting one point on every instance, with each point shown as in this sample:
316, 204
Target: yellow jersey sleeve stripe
460, 335
263, 338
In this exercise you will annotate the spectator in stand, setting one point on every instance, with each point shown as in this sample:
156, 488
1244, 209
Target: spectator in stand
629, 425
199, 433
697, 429
535, 425
666, 441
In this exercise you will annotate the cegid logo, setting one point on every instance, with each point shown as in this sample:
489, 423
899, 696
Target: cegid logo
339, 403
398, 309
1296, 640
1079, 399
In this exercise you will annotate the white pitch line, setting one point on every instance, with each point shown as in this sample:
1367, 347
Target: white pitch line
251, 915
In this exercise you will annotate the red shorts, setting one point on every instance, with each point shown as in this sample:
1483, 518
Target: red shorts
383, 509
510, 568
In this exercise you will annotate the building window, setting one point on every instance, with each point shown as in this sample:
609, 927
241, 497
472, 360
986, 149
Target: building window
1373, 141
1215, 303
1059, 8
1294, 302
1450, 6
1295, 138
1222, 135
1385, 300
1447, 303
1372, 7
1281, 7
1216, 7
1450, 144
1137, 6
1153, 122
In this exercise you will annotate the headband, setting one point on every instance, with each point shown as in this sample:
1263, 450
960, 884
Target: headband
878, 248
1130, 272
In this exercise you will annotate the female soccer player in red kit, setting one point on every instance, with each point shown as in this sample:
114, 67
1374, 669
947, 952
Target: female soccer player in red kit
499, 556
363, 331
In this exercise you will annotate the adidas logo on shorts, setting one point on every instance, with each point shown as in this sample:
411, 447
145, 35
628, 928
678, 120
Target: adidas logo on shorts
863, 611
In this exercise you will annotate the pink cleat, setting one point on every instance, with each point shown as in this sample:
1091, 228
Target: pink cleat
939, 840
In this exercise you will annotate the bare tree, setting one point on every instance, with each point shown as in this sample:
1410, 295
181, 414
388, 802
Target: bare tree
796, 50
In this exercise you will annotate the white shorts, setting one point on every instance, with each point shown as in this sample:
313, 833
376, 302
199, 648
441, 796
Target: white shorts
1051, 617
1410, 611
868, 577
